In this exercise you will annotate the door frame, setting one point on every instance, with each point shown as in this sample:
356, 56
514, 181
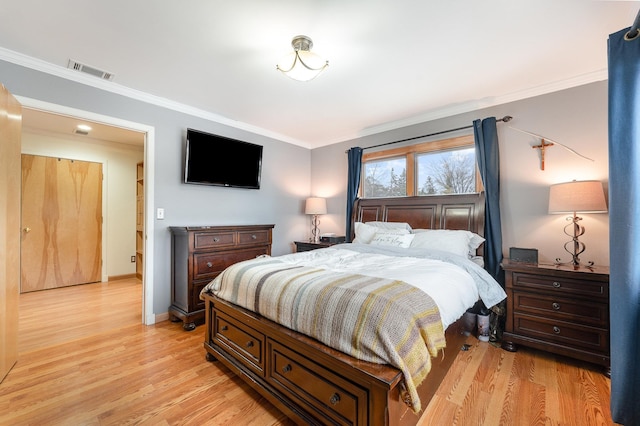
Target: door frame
148, 316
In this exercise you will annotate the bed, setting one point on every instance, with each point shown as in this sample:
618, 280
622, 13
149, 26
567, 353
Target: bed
385, 381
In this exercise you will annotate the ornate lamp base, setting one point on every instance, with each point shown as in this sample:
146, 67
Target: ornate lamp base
315, 232
575, 247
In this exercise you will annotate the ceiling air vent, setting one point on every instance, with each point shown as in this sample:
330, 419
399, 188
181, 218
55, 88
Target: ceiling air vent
105, 75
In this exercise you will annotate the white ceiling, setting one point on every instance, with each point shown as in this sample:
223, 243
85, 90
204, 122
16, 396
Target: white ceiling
392, 63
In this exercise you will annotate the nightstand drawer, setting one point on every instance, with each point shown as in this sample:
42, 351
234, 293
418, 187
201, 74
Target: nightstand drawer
570, 310
308, 246
572, 335
560, 285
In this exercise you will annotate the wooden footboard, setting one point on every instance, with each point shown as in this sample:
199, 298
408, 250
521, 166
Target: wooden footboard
308, 381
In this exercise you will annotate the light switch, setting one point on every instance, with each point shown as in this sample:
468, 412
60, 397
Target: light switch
160, 213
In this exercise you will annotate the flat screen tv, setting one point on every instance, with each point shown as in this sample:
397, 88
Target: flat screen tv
220, 161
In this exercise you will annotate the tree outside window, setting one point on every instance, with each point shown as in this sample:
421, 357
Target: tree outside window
439, 167
385, 178
446, 172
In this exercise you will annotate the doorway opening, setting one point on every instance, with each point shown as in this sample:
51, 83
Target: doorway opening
57, 115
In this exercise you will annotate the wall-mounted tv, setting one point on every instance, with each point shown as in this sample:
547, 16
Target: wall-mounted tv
220, 161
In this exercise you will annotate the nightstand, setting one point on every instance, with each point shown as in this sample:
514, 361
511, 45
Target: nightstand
307, 246
558, 309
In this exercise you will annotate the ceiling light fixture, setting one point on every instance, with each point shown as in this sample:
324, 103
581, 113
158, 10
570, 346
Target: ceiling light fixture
82, 129
301, 64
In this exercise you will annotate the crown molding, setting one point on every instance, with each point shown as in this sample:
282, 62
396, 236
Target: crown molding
109, 86
46, 67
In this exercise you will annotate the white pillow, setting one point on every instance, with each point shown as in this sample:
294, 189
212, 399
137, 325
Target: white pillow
390, 225
460, 242
393, 240
364, 232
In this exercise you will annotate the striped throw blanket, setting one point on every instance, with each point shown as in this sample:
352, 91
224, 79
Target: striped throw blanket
372, 319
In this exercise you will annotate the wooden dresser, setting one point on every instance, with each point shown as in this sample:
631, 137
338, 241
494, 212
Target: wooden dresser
558, 309
199, 254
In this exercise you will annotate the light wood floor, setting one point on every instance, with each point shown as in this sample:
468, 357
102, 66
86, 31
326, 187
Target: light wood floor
86, 359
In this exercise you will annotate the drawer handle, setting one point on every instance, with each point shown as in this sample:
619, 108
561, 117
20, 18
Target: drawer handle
556, 330
556, 284
209, 264
335, 398
556, 306
250, 344
225, 328
253, 237
216, 239
286, 368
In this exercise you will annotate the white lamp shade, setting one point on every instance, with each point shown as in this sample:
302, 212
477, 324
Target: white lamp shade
577, 196
315, 205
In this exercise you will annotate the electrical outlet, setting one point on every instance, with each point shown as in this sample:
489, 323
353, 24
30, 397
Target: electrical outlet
133, 259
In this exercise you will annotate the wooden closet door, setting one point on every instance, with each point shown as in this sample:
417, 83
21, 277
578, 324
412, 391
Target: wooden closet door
10, 129
61, 222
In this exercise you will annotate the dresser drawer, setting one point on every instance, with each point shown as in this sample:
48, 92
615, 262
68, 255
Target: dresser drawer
196, 288
244, 342
562, 308
335, 399
254, 237
592, 339
560, 285
209, 265
204, 240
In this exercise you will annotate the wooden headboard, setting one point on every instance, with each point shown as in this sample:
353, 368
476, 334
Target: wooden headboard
459, 211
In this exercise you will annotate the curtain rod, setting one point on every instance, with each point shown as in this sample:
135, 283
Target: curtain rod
635, 28
506, 119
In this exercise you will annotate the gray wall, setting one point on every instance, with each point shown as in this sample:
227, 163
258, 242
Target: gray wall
279, 201
575, 117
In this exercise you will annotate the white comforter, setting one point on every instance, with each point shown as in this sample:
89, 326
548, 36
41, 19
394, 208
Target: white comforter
454, 283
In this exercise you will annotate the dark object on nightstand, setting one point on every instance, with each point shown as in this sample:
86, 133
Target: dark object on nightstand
307, 246
526, 255
558, 309
333, 239
199, 254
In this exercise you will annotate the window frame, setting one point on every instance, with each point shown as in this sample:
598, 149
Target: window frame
410, 152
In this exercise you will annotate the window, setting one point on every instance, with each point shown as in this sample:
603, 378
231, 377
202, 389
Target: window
430, 168
386, 178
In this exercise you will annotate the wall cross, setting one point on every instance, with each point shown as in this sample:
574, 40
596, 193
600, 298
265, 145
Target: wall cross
542, 147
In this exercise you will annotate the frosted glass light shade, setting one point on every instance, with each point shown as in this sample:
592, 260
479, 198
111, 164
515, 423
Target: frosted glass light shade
577, 196
302, 64
315, 205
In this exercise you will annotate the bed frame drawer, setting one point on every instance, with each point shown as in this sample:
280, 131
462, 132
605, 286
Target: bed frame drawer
245, 343
334, 398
